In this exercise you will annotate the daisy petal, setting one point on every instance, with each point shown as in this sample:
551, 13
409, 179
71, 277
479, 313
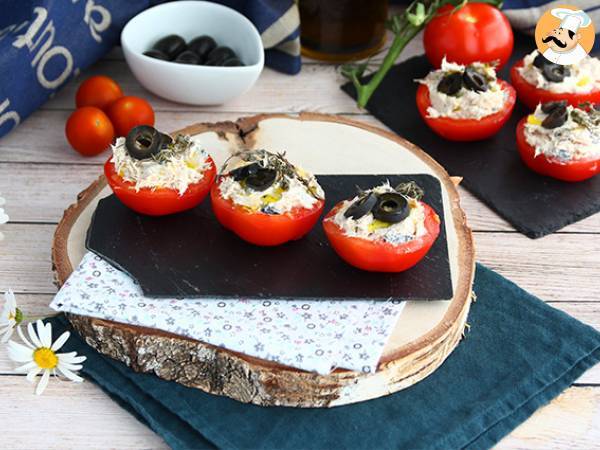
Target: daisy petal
70, 375
71, 358
60, 341
32, 374
74, 367
33, 336
18, 352
7, 334
44, 333
43, 383
26, 367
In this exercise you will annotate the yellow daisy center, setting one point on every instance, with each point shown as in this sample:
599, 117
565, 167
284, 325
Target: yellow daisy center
45, 358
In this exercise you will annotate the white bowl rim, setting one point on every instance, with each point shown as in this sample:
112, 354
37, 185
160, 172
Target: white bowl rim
250, 67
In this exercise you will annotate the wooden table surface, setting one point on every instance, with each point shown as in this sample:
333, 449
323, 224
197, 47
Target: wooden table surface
40, 176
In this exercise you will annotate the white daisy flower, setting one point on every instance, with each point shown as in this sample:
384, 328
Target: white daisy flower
40, 355
10, 318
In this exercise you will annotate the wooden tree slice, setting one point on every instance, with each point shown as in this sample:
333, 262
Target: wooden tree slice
424, 336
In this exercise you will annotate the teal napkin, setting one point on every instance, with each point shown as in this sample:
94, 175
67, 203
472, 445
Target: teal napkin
518, 354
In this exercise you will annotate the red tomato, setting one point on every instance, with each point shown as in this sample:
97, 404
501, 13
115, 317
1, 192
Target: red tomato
128, 112
264, 229
159, 202
380, 256
577, 170
466, 129
476, 32
530, 95
98, 91
89, 131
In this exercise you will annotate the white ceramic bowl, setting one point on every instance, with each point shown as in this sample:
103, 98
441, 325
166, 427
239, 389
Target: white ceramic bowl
184, 83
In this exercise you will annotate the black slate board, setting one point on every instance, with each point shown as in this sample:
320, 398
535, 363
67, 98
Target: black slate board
189, 255
492, 169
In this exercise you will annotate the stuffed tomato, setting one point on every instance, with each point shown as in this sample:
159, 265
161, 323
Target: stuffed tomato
538, 80
561, 141
265, 199
384, 229
465, 103
155, 175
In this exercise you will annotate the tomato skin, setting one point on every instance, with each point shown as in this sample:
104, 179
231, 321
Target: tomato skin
159, 202
99, 91
379, 256
572, 171
531, 96
466, 129
89, 131
264, 229
128, 112
476, 32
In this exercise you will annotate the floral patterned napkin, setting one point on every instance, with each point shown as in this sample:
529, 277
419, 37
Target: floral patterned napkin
311, 335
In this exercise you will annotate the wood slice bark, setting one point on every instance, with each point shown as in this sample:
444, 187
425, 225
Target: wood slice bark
425, 335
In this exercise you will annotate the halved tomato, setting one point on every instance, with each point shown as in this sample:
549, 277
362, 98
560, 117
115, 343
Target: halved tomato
260, 228
381, 256
466, 129
577, 170
531, 95
160, 201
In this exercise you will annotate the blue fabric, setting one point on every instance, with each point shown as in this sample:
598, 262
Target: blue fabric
44, 43
518, 354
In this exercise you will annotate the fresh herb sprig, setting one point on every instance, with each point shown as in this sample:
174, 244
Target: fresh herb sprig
405, 26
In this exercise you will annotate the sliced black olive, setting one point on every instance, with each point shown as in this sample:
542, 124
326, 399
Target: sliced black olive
556, 118
391, 207
540, 61
171, 45
219, 55
143, 141
202, 45
241, 173
261, 179
555, 72
548, 107
153, 53
474, 81
450, 84
187, 57
362, 206
232, 62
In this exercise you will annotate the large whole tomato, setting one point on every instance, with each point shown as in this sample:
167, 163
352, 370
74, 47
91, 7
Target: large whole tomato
475, 32
89, 131
128, 112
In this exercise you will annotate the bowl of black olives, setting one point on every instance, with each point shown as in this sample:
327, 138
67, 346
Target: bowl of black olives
193, 52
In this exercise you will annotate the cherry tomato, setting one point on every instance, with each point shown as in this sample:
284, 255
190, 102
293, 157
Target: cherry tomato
128, 112
160, 201
476, 32
264, 229
89, 131
577, 170
530, 95
381, 256
98, 91
466, 129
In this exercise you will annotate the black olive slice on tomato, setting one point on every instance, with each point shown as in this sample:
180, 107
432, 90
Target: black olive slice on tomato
540, 61
202, 46
157, 54
555, 72
391, 207
362, 206
450, 84
242, 172
143, 142
556, 118
187, 57
474, 81
548, 107
171, 45
219, 55
261, 179
165, 140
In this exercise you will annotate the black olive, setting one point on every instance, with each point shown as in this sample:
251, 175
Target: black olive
143, 141
391, 207
202, 45
555, 72
232, 62
156, 54
450, 84
187, 57
556, 118
362, 206
540, 61
171, 45
261, 179
474, 81
548, 107
219, 55
241, 173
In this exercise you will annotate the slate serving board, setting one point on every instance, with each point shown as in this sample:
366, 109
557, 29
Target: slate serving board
492, 169
189, 255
